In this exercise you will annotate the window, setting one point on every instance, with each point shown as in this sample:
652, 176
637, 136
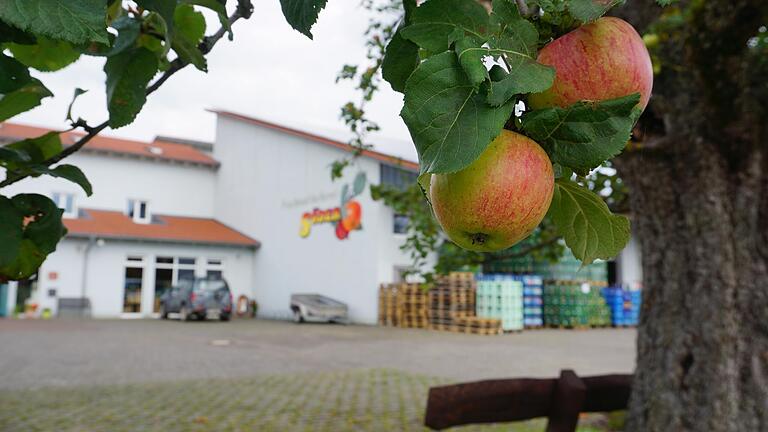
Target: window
65, 201
138, 210
401, 223
396, 177
214, 269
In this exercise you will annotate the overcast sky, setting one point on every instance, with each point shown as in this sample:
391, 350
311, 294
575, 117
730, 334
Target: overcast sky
269, 71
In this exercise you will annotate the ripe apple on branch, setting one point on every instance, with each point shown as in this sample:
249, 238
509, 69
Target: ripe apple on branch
578, 82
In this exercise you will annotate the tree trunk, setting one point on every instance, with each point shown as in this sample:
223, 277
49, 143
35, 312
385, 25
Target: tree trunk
698, 188
702, 361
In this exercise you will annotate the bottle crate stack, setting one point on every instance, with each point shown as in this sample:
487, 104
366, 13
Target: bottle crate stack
574, 304
500, 296
624, 305
451, 297
533, 301
403, 305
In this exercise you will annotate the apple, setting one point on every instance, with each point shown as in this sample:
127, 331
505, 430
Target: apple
602, 60
354, 214
499, 199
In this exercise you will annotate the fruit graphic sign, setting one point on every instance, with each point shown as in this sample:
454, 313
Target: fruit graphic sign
345, 218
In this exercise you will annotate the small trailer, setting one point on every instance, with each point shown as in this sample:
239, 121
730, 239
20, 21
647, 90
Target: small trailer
318, 308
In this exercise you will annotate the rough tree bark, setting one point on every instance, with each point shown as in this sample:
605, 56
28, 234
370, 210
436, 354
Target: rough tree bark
698, 184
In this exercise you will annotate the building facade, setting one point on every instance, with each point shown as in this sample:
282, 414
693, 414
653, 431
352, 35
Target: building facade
258, 208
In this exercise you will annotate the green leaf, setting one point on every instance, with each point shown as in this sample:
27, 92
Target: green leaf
436, 24
157, 24
73, 174
128, 74
47, 55
28, 259
585, 134
23, 99
589, 228
164, 8
470, 52
216, 6
590, 10
13, 74
39, 236
11, 223
46, 228
302, 14
517, 39
190, 29
78, 21
400, 60
39, 149
128, 30
9, 156
9, 33
449, 121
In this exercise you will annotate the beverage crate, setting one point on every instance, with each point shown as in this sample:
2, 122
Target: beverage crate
574, 304
533, 301
624, 305
501, 296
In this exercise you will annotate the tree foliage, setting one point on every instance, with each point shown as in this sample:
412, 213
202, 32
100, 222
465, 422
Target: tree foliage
144, 42
463, 68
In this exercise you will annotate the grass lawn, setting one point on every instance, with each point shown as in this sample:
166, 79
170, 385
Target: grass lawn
354, 400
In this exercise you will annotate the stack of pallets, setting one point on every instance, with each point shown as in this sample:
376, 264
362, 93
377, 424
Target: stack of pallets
411, 306
478, 325
388, 305
403, 305
451, 297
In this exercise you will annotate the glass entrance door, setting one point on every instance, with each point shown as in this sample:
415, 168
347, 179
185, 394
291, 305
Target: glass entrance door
134, 277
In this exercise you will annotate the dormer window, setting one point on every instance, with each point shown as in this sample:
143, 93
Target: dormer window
138, 210
65, 201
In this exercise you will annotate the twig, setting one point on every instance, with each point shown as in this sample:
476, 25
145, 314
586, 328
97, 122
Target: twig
244, 10
522, 6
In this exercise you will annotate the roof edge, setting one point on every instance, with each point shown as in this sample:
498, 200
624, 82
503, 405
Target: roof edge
381, 157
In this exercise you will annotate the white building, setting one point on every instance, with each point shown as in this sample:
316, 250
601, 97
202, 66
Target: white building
170, 209
258, 207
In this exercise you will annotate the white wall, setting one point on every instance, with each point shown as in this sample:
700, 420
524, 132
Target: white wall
106, 271
171, 189
267, 180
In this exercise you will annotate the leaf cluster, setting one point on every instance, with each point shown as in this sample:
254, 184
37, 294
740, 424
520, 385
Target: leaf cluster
138, 40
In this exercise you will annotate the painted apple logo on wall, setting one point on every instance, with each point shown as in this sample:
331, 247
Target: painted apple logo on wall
345, 218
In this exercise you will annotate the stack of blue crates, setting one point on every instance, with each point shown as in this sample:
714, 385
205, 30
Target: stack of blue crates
533, 300
501, 296
624, 305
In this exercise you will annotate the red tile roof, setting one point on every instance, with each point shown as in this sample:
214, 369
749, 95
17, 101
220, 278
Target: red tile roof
113, 224
158, 149
383, 157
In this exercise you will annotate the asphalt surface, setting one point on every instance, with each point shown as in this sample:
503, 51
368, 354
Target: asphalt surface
37, 354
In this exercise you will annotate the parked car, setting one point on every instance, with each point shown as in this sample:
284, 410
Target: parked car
198, 298
317, 308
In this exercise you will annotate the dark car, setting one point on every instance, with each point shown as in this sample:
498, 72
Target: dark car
198, 298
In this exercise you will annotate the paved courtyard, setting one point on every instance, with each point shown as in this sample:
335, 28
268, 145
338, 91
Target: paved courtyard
265, 375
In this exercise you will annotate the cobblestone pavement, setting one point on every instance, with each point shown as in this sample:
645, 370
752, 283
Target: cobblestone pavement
356, 400
94, 352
